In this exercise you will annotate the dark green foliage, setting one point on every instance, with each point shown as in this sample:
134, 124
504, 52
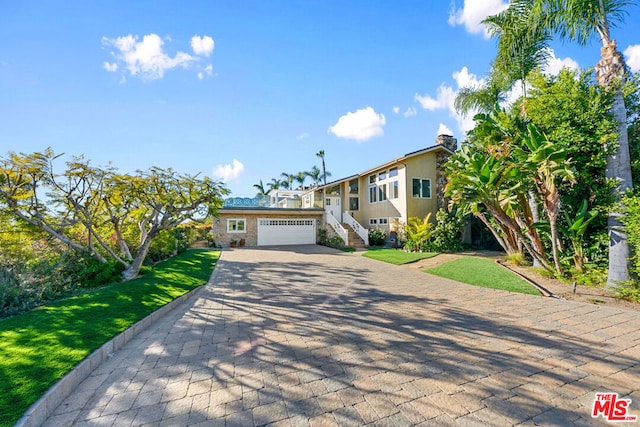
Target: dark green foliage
446, 234
632, 222
336, 242
377, 237
26, 285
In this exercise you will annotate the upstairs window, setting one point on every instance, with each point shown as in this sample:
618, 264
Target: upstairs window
421, 188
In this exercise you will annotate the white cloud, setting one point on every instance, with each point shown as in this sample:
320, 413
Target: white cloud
228, 172
303, 135
446, 96
411, 111
360, 125
202, 45
444, 130
633, 57
555, 65
208, 71
473, 12
396, 110
146, 58
111, 67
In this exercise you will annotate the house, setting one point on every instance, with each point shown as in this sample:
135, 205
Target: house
381, 197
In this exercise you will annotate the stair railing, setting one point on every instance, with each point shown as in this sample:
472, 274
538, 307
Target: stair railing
342, 232
359, 229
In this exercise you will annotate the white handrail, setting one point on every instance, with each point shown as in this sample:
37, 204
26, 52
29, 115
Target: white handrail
342, 232
359, 229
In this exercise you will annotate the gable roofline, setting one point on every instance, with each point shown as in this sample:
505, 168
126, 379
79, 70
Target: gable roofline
400, 159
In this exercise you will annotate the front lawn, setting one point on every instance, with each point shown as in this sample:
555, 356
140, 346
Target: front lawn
39, 347
483, 272
397, 257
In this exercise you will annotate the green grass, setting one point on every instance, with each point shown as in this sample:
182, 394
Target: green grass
397, 257
483, 272
39, 347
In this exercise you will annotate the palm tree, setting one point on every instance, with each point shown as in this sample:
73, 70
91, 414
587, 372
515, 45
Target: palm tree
261, 190
580, 21
315, 174
320, 154
523, 45
274, 184
300, 177
288, 180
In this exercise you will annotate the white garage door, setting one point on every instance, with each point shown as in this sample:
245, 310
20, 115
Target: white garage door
286, 231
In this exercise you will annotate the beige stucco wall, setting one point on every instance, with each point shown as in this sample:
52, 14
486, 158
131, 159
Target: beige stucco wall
421, 167
223, 238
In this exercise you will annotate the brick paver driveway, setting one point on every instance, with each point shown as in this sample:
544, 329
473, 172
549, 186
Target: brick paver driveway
310, 336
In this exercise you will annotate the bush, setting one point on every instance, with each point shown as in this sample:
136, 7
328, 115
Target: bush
447, 233
418, 233
631, 221
377, 237
24, 286
336, 242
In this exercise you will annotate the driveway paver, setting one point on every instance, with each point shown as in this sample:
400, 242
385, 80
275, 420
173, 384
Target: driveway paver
308, 336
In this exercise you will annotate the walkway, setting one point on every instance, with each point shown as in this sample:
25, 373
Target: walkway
310, 336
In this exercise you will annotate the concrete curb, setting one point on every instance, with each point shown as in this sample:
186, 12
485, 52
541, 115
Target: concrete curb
44, 407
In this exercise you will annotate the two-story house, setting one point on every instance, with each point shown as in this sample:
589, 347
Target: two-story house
408, 186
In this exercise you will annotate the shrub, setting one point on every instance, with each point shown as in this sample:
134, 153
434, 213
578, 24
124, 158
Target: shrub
418, 233
447, 233
377, 237
336, 242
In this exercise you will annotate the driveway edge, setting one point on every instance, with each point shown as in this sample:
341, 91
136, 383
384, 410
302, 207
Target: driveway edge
44, 407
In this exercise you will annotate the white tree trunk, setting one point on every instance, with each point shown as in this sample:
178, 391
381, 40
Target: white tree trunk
619, 169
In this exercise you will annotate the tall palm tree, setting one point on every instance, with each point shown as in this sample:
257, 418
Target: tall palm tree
580, 21
523, 44
320, 154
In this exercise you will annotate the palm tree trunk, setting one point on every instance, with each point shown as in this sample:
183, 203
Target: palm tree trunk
610, 73
619, 169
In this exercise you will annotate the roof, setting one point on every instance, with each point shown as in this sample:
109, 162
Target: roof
436, 147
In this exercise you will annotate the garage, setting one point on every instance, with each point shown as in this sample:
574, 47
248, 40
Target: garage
286, 231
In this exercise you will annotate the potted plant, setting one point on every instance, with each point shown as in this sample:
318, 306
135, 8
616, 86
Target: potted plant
242, 242
233, 243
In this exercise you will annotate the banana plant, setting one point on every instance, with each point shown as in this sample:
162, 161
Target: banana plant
575, 230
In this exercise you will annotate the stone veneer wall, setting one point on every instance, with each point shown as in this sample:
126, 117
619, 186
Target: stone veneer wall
441, 158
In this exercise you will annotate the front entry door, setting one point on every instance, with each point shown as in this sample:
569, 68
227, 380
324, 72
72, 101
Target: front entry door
332, 204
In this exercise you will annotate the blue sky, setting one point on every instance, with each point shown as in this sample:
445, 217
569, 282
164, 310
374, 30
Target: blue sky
246, 90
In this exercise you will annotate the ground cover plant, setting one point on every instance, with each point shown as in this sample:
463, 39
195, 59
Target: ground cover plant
483, 272
397, 257
39, 347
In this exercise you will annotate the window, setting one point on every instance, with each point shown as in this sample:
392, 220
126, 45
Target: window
393, 172
237, 225
382, 176
354, 204
373, 194
334, 191
327, 202
382, 193
383, 221
394, 189
372, 179
422, 188
373, 221
353, 187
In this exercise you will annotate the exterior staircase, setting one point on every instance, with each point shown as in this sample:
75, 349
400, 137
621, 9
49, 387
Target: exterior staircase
355, 241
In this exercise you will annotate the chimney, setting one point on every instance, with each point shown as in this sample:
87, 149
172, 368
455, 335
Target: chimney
447, 141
